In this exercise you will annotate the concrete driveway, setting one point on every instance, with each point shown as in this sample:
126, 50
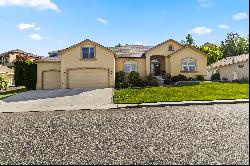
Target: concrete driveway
60, 99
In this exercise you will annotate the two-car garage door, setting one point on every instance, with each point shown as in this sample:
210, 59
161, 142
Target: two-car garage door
88, 78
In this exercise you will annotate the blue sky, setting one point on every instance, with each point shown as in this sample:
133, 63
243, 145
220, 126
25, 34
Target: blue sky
41, 26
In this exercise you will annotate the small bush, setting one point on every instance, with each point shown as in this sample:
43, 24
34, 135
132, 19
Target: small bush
3, 83
191, 79
124, 84
151, 81
200, 77
133, 78
244, 80
236, 81
215, 77
119, 79
224, 79
180, 77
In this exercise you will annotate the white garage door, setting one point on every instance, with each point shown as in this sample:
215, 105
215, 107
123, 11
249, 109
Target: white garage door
88, 78
51, 80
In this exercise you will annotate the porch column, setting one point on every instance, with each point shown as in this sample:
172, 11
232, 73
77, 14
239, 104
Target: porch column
167, 65
147, 65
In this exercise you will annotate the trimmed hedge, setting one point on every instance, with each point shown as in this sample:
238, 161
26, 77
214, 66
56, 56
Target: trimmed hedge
25, 73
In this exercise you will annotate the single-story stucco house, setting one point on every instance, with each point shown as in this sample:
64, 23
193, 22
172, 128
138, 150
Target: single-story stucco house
231, 68
91, 65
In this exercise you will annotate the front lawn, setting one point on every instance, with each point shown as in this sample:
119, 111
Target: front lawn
204, 91
8, 93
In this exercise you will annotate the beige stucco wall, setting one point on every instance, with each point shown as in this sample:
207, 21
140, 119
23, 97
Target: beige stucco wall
227, 71
45, 66
176, 62
71, 59
163, 51
9, 77
141, 65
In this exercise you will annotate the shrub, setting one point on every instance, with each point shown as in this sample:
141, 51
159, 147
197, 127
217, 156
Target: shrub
200, 77
191, 79
224, 79
124, 84
25, 72
180, 77
215, 77
119, 78
151, 81
3, 83
236, 81
133, 78
244, 80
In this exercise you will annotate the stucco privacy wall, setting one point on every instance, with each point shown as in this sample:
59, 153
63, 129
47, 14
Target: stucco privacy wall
162, 50
72, 59
176, 62
43, 67
227, 71
141, 65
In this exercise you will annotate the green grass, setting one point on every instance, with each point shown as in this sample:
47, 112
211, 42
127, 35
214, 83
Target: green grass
204, 91
11, 93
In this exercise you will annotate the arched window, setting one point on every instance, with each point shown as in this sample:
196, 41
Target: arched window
189, 64
130, 66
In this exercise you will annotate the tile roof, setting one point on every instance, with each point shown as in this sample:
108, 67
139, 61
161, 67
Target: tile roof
230, 60
20, 52
135, 51
5, 69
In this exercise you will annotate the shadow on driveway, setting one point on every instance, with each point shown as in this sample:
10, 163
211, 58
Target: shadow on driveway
44, 94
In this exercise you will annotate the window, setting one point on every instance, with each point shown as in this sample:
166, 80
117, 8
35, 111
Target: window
189, 65
241, 66
130, 66
88, 53
170, 48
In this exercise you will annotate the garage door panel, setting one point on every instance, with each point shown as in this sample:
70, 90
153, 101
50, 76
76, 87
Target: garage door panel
88, 78
52, 80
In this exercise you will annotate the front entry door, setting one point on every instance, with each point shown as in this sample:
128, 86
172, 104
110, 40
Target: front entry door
157, 69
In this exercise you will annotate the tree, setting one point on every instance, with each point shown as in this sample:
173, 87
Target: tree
3, 82
213, 51
189, 41
234, 45
25, 72
119, 45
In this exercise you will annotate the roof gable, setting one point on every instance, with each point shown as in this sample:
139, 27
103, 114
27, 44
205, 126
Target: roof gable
162, 44
188, 46
84, 41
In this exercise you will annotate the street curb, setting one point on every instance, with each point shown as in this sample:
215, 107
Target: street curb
185, 103
158, 104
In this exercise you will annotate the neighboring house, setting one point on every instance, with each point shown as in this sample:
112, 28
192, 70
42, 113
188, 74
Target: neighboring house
8, 57
231, 68
8, 74
90, 65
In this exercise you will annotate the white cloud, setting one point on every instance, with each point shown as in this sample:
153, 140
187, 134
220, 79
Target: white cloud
23, 26
240, 16
101, 20
35, 36
223, 26
37, 4
37, 28
205, 3
201, 30
138, 43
